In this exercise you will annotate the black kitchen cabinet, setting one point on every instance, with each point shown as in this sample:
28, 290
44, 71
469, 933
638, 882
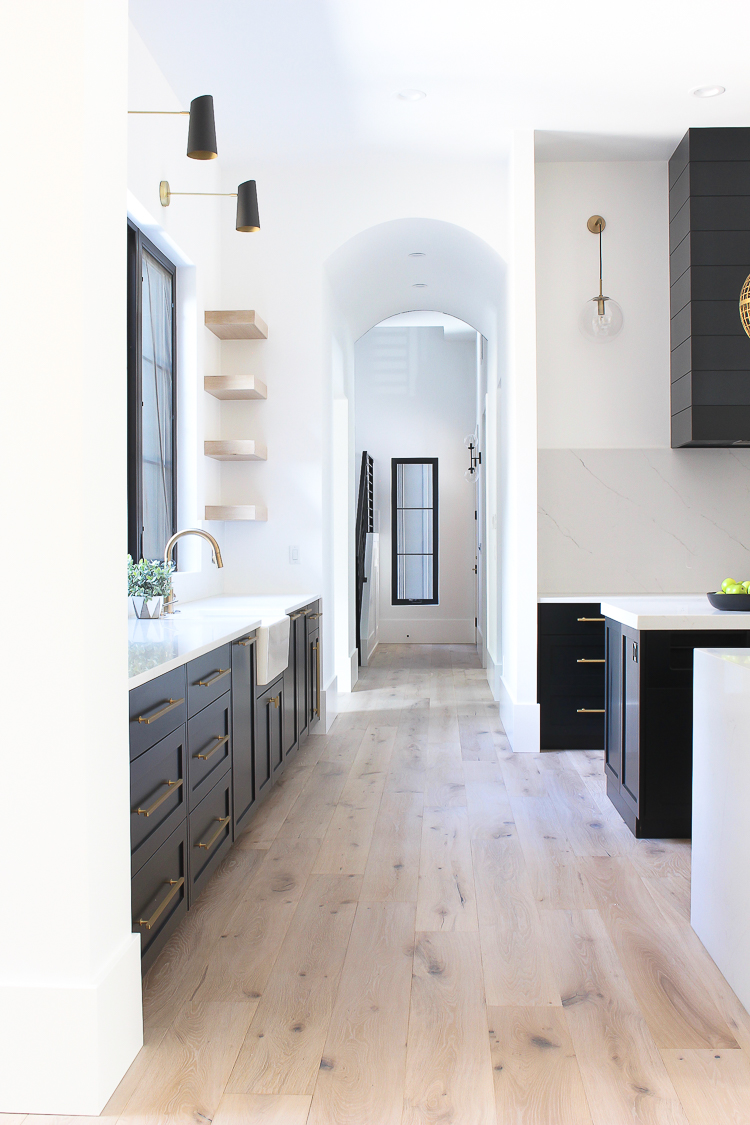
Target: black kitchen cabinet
570, 675
206, 746
649, 727
243, 732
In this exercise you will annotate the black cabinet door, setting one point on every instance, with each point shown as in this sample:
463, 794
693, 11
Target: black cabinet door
269, 741
613, 700
313, 676
289, 717
299, 625
243, 730
629, 781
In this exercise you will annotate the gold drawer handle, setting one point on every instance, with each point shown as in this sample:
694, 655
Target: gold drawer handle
591, 711
585, 660
174, 885
171, 787
223, 822
592, 619
316, 646
294, 616
171, 704
275, 699
220, 740
314, 616
249, 641
219, 674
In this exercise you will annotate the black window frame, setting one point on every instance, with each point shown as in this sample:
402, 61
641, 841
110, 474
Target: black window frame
137, 243
395, 461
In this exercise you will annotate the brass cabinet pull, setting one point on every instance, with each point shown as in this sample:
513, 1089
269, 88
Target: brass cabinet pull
586, 660
591, 619
171, 704
220, 740
275, 699
171, 787
223, 822
219, 674
591, 711
317, 678
174, 885
248, 641
314, 616
294, 616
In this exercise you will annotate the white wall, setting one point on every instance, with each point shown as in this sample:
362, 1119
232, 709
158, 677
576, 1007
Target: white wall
415, 396
69, 964
619, 511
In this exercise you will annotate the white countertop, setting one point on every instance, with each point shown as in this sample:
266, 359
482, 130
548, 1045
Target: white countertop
569, 599
738, 656
672, 611
155, 647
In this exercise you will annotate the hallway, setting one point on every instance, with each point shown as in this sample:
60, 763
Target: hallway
420, 926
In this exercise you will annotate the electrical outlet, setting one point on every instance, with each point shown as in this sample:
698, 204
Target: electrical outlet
294, 554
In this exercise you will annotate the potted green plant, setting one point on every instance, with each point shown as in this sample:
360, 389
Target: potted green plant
149, 582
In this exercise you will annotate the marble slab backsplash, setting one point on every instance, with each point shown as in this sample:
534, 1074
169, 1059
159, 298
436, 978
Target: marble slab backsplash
632, 521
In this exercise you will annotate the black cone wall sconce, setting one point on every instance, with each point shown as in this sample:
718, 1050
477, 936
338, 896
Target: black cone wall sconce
246, 196
201, 130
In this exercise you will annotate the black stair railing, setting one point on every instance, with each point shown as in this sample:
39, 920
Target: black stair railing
364, 525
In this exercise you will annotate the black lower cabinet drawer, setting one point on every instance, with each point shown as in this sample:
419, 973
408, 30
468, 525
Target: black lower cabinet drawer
156, 708
209, 745
209, 835
208, 677
572, 723
158, 796
159, 894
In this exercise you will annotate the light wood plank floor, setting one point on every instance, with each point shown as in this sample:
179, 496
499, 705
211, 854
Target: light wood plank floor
422, 928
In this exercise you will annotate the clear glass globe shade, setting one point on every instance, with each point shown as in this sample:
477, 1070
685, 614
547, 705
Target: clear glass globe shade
470, 475
600, 328
470, 440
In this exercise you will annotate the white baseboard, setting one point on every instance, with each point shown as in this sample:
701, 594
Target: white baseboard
65, 1047
354, 659
329, 704
419, 631
521, 720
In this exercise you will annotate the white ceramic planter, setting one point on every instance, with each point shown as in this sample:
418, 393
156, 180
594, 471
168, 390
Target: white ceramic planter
148, 609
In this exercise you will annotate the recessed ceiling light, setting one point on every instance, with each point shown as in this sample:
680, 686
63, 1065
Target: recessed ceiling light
709, 91
416, 254
411, 95
419, 285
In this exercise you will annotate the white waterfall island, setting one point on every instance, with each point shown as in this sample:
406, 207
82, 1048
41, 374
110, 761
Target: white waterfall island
720, 895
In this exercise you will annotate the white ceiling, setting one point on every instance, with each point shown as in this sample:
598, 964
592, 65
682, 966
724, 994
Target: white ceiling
310, 78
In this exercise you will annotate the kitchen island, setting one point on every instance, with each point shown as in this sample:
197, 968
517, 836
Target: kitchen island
649, 645
720, 890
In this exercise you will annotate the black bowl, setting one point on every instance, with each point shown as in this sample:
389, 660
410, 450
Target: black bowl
740, 603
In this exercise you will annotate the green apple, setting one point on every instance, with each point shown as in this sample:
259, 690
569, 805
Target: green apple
726, 583
736, 589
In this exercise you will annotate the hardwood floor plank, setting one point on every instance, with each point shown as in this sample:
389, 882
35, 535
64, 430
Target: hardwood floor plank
555, 875
623, 1074
713, 1086
535, 1070
489, 809
443, 720
375, 751
284, 1044
392, 871
665, 969
263, 1109
311, 813
517, 968
671, 889
580, 817
190, 1067
265, 825
361, 1077
341, 748
129, 1083
448, 1066
246, 951
346, 844
662, 857
445, 898
523, 776
444, 786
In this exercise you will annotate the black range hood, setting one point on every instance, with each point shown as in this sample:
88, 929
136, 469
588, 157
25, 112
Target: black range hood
709, 250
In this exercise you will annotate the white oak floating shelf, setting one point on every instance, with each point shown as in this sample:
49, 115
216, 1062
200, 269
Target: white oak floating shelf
237, 449
234, 386
236, 512
240, 324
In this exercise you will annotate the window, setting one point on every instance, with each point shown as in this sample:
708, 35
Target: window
414, 531
152, 400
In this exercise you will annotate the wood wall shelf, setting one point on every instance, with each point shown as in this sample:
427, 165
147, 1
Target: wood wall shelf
236, 512
237, 449
240, 324
234, 386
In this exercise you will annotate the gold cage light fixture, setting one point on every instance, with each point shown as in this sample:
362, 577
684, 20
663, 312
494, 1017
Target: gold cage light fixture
745, 305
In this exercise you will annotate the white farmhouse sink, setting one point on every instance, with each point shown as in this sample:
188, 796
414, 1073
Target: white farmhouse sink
271, 648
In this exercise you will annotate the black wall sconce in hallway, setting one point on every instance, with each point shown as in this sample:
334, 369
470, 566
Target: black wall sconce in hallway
201, 130
247, 202
475, 456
